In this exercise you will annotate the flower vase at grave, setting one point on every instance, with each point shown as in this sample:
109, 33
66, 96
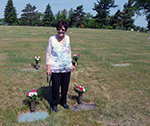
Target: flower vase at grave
32, 107
37, 60
80, 95
36, 66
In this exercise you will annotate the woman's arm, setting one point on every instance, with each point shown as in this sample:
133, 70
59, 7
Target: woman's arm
73, 67
48, 53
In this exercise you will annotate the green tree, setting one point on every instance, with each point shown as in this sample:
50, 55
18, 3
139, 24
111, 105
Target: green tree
148, 20
48, 16
120, 15
2, 21
103, 8
128, 13
38, 21
114, 20
143, 5
123, 18
87, 20
58, 17
10, 14
29, 14
64, 14
79, 15
61, 15
71, 17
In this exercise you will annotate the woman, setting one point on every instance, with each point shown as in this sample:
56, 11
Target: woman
59, 64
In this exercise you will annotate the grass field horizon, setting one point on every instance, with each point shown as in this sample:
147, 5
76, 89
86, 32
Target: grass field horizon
121, 94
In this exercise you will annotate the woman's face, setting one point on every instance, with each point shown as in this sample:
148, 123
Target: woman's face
61, 31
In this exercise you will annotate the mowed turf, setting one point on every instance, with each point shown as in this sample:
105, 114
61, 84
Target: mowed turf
121, 93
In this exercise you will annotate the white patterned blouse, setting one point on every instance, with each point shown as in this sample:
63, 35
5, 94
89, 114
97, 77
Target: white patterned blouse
58, 55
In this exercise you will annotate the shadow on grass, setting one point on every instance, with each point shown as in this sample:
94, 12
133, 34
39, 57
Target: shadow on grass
73, 97
34, 66
45, 95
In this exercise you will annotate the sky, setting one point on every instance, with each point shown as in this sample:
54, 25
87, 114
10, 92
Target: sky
57, 5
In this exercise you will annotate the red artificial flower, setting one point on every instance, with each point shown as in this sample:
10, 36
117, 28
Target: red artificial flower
28, 94
81, 88
33, 91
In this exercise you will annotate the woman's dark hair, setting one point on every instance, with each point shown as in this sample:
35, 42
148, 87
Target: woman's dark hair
62, 23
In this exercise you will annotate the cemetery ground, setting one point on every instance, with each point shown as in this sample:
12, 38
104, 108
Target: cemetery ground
121, 93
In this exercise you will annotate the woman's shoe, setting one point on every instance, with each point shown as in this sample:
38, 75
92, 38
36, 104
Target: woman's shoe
54, 108
65, 106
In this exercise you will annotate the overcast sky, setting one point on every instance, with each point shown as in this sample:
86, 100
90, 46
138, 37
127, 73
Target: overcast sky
57, 5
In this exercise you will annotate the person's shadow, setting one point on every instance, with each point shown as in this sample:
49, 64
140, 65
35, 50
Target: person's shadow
73, 97
45, 95
45, 90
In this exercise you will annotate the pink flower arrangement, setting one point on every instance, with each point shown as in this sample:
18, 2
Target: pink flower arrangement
76, 56
32, 93
37, 58
80, 89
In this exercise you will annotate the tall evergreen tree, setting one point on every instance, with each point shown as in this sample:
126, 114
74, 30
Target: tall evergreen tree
10, 14
61, 15
145, 6
71, 17
79, 14
148, 20
115, 20
128, 13
29, 14
58, 16
48, 16
87, 19
103, 8
119, 19
38, 21
64, 14
142, 4
123, 18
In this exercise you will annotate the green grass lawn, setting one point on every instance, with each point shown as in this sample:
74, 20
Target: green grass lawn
121, 94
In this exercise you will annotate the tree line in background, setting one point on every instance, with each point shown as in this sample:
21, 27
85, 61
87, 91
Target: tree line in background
122, 19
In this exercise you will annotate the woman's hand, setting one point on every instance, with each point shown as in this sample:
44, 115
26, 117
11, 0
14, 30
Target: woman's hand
73, 68
48, 71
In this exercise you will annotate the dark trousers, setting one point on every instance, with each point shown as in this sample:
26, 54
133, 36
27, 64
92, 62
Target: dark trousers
63, 80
